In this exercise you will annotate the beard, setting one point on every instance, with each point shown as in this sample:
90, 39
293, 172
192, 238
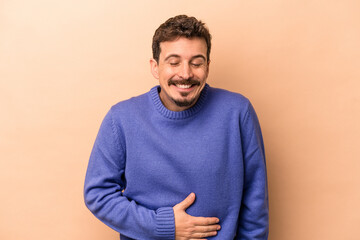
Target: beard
184, 102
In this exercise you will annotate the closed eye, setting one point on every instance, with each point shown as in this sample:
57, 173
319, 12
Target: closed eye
196, 64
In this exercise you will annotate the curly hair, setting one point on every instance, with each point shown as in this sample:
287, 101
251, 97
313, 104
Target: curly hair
180, 26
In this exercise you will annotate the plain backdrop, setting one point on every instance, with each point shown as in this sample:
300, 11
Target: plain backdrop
63, 64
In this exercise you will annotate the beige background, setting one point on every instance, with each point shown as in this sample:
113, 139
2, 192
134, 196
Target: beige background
64, 63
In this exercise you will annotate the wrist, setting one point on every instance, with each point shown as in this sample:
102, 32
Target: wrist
165, 223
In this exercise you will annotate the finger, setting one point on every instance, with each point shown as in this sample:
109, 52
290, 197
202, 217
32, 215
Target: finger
204, 229
203, 221
186, 202
203, 235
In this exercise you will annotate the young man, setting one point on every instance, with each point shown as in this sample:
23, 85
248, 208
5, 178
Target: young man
185, 160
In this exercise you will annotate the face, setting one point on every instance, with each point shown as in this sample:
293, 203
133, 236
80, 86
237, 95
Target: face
182, 71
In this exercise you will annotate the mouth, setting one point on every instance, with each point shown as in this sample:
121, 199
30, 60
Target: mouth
186, 85
185, 89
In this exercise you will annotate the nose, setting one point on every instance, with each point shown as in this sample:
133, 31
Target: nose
185, 72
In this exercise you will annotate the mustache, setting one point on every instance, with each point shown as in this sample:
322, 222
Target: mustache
189, 81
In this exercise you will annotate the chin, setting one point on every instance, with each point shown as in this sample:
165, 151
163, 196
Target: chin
184, 103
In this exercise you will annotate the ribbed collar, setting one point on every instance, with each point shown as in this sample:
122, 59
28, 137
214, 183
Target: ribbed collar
154, 93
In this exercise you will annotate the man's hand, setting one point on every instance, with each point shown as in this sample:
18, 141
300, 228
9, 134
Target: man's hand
188, 227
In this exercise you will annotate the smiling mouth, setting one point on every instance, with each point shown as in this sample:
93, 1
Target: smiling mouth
184, 86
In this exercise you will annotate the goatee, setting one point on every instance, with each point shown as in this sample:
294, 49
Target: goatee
184, 103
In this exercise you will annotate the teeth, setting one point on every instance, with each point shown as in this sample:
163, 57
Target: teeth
183, 86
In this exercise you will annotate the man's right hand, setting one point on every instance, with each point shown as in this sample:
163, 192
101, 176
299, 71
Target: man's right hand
188, 227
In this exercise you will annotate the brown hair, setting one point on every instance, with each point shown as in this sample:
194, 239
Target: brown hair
180, 26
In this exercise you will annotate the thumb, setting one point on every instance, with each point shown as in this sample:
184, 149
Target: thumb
186, 202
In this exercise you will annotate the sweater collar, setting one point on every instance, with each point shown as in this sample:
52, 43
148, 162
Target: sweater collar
154, 93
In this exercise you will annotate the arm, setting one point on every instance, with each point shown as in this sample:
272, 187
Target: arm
254, 212
104, 183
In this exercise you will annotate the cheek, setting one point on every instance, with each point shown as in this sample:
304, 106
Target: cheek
167, 73
202, 74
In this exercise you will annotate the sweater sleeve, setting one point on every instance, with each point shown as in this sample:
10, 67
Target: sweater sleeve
254, 211
104, 183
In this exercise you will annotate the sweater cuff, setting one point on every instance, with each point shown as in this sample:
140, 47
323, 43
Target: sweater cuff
165, 223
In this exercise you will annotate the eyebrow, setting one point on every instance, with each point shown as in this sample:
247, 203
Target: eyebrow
199, 56
177, 56
170, 56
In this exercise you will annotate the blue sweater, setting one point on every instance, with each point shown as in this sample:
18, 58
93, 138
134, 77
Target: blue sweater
147, 158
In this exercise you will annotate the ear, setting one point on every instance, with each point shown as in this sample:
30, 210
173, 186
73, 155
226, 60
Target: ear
154, 68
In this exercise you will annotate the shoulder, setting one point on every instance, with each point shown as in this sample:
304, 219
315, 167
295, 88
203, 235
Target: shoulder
124, 114
229, 100
131, 105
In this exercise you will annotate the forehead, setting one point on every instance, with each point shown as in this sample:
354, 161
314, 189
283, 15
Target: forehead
183, 47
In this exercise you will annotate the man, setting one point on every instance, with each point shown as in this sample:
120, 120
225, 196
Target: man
155, 153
